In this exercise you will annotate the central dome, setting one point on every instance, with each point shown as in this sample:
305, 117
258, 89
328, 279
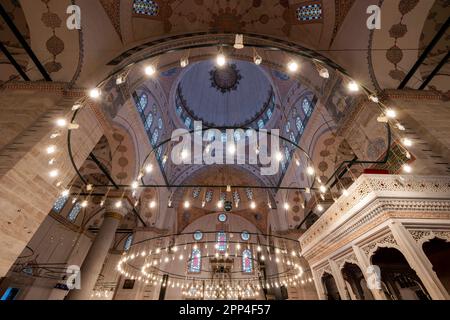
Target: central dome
237, 94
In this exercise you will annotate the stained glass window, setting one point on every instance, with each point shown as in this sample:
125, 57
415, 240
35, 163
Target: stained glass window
60, 203
196, 192
260, 123
236, 197
245, 235
269, 113
128, 243
73, 214
198, 235
159, 152
195, 263
247, 262
160, 123
221, 241
292, 137
299, 125
249, 193
155, 137
146, 7
148, 122
222, 217
288, 127
306, 105
209, 196
143, 101
287, 153
311, 12
188, 122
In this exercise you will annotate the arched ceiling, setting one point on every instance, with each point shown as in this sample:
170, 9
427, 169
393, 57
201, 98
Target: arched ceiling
236, 94
82, 57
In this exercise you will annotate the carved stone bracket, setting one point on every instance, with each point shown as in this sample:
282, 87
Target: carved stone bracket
387, 241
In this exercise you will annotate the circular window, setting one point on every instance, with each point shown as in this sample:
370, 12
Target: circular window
245, 236
223, 217
198, 235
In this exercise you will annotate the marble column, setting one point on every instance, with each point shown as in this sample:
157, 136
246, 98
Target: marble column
364, 264
339, 279
93, 263
319, 285
418, 261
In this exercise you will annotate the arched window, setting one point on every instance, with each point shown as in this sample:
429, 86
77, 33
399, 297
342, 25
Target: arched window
222, 217
249, 193
245, 236
288, 127
143, 101
221, 241
247, 262
299, 125
198, 235
148, 122
188, 122
128, 243
260, 123
310, 12
73, 214
306, 105
195, 262
60, 203
155, 137
269, 113
160, 123
146, 7
287, 153
292, 137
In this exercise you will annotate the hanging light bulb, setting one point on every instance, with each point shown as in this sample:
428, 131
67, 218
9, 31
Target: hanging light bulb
390, 113
135, 185
323, 189
51, 149
323, 72
220, 204
253, 205
279, 156
149, 168
374, 98
310, 171
187, 204
118, 204
84, 204
407, 142
53, 173
232, 149
95, 93
407, 168
293, 66
320, 208
65, 193
150, 70
257, 59
221, 60
61, 122
353, 86
152, 204
184, 62
286, 206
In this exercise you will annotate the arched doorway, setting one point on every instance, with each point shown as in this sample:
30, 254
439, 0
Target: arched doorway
330, 287
400, 281
355, 282
438, 252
